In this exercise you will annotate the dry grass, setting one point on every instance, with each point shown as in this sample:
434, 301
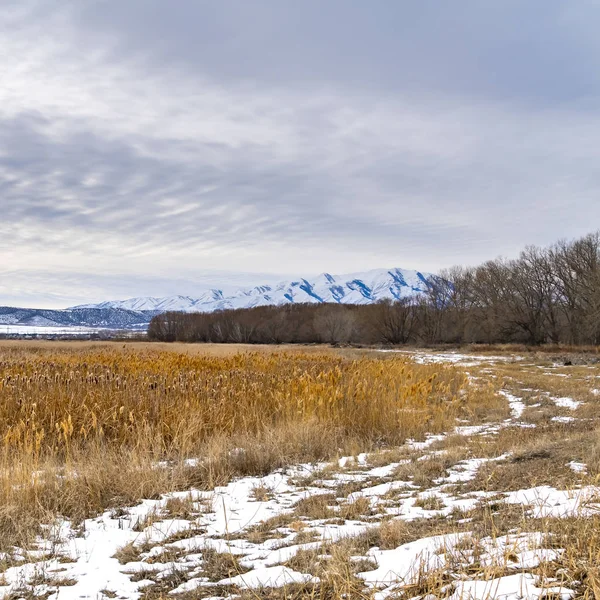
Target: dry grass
270, 529
103, 425
319, 506
128, 553
181, 508
220, 565
392, 534
54, 401
531, 351
535, 456
215, 350
83, 426
356, 509
423, 472
336, 571
430, 502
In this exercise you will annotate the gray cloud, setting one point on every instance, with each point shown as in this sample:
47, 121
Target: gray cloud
147, 150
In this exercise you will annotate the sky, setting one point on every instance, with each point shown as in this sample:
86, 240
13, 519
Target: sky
158, 148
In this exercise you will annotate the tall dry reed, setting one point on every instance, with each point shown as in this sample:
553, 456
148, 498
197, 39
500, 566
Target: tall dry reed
84, 429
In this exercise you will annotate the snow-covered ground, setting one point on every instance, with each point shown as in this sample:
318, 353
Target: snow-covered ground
225, 514
226, 519
456, 358
24, 330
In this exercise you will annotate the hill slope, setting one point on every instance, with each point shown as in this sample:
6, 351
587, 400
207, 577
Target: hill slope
105, 318
356, 288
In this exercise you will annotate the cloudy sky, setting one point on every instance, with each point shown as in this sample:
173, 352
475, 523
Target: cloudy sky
151, 147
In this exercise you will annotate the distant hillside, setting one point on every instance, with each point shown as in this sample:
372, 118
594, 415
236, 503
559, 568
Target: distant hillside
136, 313
109, 318
356, 288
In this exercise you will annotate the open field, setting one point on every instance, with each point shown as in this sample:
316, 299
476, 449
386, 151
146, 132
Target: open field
170, 471
180, 348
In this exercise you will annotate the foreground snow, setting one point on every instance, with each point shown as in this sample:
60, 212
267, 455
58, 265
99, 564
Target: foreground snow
233, 510
223, 521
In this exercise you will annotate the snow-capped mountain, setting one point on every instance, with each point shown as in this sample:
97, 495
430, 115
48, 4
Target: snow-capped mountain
102, 318
355, 288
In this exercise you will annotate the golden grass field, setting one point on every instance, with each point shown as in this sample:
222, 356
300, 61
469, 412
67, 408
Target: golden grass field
177, 347
137, 436
83, 425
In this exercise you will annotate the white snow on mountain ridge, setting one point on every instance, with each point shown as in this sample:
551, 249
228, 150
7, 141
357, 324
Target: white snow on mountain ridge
354, 288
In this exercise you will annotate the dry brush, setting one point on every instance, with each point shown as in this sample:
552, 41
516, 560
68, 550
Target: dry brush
85, 429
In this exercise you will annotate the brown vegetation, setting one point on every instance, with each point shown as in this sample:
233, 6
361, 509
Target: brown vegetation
85, 429
547, 295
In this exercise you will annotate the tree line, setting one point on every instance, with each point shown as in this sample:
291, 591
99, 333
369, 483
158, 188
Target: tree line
546, 295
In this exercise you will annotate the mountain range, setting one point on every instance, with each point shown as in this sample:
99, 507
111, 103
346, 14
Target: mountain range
135, 313
97, 318
355, 288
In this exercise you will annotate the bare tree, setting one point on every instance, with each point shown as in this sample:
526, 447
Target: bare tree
394, 321
577, 268
545, 295
334, 324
